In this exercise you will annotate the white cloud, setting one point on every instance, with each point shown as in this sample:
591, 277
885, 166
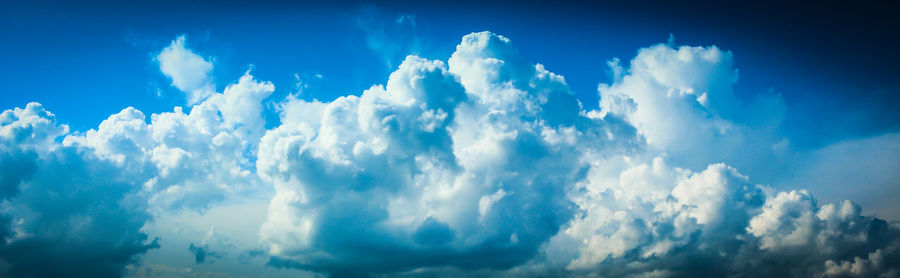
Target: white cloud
63, 210
485, 164
682, 101
79, 201
515, 166
188, 159
429, 167
190, 73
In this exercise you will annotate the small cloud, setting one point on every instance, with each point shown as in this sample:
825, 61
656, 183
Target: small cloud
189, 72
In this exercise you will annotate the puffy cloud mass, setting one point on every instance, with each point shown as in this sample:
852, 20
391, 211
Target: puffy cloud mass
189, 72
65, 212
465, 165
484, 163
489, 162
74, 204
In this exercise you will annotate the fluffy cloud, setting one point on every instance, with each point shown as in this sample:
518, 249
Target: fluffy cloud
64, 210
485, 163
654, 219
189, 72
681, 100
490, 162
78, 201
188, 159
439, 167
637, 216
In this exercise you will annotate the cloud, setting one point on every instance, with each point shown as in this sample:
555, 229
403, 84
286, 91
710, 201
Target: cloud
188, 160
638, 217
484, 164
66, 212
871, 266
190, 73
440, 167
489, 162
682, 101
79, 201
654, 219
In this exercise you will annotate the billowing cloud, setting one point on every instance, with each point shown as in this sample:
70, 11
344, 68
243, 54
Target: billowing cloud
78, 201
656, 219
681, 99
187, 159
490, 162
483, 164
530, 175
64, 211
442, 166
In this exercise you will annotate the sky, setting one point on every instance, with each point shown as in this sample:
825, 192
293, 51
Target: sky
523, 138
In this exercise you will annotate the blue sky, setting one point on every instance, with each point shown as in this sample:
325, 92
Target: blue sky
283, 139
791, 50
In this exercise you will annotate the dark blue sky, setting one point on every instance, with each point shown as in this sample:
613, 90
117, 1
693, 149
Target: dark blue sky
834, 64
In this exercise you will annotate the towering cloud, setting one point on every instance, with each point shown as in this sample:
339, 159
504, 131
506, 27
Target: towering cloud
491, 162
466, 166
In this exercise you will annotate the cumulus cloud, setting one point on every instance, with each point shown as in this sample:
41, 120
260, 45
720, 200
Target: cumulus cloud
187, 160
65, 211
489, 162
483, 164
463, 165
78, 201
190, 73
682, 101
658, 219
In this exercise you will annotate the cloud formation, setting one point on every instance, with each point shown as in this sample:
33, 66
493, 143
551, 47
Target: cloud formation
681, 99
462, 166
187, 160
485, 163
65, 211
190, 73
491, 163
78, 200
